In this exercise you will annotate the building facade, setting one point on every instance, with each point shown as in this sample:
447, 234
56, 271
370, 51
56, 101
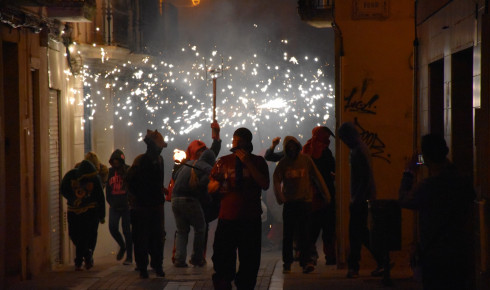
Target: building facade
424, 66
453, 98
46, 125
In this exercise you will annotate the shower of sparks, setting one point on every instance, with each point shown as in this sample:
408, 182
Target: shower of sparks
280, 92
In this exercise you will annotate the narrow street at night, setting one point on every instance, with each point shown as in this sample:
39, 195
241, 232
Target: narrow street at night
245, 144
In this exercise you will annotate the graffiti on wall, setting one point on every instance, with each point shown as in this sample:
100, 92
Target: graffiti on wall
355, 102
376, 146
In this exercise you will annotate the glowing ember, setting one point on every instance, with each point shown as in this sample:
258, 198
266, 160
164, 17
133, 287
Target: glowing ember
179, 155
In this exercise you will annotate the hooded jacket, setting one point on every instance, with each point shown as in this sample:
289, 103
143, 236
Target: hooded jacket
83, 191
202, 170
102, 170
317, 149
298, 176
116, 189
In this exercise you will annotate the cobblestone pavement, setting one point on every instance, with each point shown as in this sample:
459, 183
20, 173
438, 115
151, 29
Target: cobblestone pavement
110, 274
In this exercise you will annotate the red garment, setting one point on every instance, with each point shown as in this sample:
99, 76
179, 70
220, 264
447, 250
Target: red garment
318, 142
239, 202
195, 146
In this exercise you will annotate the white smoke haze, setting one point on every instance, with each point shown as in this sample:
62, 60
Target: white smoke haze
276, 78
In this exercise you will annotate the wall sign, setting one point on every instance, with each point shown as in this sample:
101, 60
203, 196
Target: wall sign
370, 9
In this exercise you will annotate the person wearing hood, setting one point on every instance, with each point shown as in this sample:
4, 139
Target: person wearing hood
323, 216
362, 189
102, 170
191, 182
117, 198
294, 178
146, 194
209, 205
239, 179
82, 189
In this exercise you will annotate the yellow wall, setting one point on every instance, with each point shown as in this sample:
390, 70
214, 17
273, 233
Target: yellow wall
26, 201
377, 56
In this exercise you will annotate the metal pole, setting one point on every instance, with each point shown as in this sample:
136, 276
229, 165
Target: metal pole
214, 99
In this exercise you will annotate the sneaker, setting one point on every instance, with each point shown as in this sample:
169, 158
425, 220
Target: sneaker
181, 265
144, 274
127, 262
380, 271
308, 268
89, 263
202, 263
159, 273
78, 268
89, 260
352, 274
120, 254
330, 261
286, 268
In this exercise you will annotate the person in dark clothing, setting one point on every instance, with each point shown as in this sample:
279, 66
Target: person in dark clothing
323, 215
102, 170
272, 156
239, 178
83, 191
443, 201
117, 198
362, 189
145, 184
294, 179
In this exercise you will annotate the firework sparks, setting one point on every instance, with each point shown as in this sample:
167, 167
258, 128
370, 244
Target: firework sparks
281, 95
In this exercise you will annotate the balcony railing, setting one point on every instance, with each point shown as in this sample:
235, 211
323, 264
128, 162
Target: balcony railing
317, 13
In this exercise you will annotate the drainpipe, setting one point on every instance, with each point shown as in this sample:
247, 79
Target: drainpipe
415, 97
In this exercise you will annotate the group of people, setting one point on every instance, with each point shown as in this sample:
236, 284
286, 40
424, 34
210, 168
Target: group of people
230, 189
304, 183
135, 197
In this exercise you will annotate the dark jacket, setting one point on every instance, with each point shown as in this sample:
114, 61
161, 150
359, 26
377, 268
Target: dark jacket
202, 170
116, 189
444, 202
272, 156
83, 191
145, 181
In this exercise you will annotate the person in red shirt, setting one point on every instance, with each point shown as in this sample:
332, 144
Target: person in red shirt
239, 179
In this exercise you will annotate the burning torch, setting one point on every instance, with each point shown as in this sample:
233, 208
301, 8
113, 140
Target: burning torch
214, 73
179, 156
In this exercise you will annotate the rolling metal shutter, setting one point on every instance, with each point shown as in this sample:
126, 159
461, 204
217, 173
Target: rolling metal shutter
54, 179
